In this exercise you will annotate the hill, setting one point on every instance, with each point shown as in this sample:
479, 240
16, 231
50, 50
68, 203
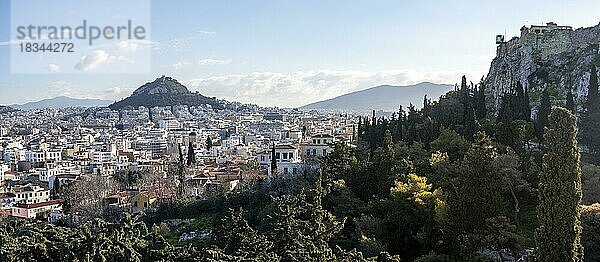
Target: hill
164, 91
6, 109
385, 97
62, 102
545, 56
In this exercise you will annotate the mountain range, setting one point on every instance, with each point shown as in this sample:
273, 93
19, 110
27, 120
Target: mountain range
62, 102
384, 97
164, 91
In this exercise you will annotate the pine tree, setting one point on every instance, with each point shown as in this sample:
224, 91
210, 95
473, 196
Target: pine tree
559, 235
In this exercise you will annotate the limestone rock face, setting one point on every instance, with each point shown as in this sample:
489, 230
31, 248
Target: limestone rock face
552, 56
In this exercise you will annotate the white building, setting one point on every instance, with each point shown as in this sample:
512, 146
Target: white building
317, 146
288, 160
29, 194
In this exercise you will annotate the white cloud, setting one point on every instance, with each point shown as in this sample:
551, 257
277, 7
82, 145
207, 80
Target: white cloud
205, 32
209, 61
96, 59
303, 87
127, 47
54, 68
180, 65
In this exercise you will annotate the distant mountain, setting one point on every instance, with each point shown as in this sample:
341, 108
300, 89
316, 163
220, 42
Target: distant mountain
61, 102
385, 97
164, 91
6, 109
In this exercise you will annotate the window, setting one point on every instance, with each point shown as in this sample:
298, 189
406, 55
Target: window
308, 152
262, 158
324, 152
285, 170
314, 152
285, 155
277, 155
291, 155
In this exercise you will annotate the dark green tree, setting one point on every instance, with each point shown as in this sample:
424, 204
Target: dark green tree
481, 106
479, 191
55, 188
590, 121
273, 161
570, 101
543, 114
191, 156
209, 143
558, 236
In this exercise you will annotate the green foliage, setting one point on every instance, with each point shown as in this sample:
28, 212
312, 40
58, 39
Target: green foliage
452, 143
559, 235
590, 183
590, 238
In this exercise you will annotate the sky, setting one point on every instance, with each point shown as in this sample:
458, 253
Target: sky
287, 53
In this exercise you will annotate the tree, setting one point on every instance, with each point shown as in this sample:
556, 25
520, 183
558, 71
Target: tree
209, 143
590, 122
414, 207
191, 156
479, 193
521, 103
543, 113
558, 237
55, 187
481, 107
236, 237
273, 161
570, 101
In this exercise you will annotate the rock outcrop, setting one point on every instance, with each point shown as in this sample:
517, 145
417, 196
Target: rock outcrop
550, 56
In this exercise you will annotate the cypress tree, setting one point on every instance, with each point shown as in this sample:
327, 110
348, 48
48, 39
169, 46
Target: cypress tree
543, 113
273, 161
481, 108
521, 103
209, 143
558, 237
590, 124
570, 101
593, 96
191, 157
55, 187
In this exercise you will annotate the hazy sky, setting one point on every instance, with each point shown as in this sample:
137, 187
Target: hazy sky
290, 53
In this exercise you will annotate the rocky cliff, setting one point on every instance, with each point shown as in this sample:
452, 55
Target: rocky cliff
551, 56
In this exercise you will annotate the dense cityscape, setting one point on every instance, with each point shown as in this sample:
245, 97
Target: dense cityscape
45, 150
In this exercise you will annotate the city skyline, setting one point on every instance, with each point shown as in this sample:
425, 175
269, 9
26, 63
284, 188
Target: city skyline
291, 54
